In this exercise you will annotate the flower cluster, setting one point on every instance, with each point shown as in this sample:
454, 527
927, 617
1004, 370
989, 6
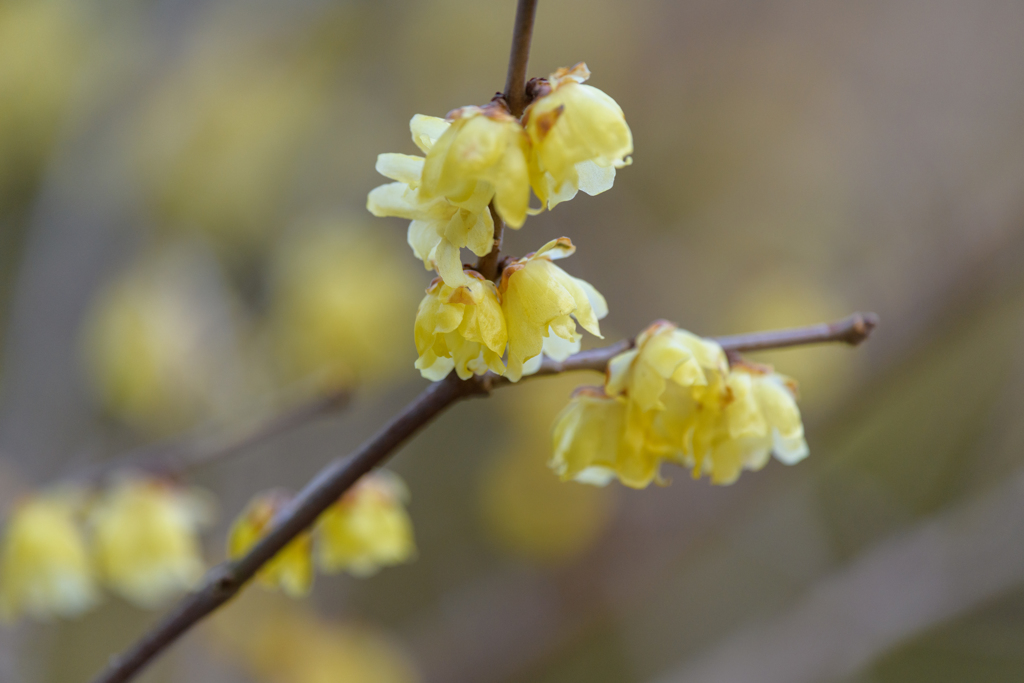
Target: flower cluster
675, 398
139, 538
367, 528
481, 163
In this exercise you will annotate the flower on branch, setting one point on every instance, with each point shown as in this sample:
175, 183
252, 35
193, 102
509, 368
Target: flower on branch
674, 398
578, 137
46, 570
484, 147
368, 528
461, 328
291, 570
145, 539
440, 225
540, 300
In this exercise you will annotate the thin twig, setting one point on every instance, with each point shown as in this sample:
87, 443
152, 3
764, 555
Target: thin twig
172, 458
515, 82
852, 330
225, 580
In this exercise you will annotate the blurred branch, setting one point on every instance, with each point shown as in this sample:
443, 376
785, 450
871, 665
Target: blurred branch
225, 580
175, 457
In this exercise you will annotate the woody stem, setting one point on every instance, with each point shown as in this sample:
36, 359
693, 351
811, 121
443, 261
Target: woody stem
515, 83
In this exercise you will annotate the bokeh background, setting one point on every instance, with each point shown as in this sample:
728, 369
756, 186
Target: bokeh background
183, 244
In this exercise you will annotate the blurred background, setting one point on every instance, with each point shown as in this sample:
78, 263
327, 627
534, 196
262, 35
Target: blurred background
183, 244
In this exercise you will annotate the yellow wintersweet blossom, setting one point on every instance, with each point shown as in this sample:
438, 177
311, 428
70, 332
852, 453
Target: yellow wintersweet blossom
740, 426
291, 570
578, 137
368, 528
665, 358
674, 398
595, 441
45, 570
538, 298
440, 225
484, 147
461, 328
145, 539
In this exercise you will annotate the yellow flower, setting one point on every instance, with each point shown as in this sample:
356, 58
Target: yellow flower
461, 328
291, 569
440, 226
665, 358
538, 298
595, 441
367, 528
484, 147
45, 567
578, 137
145, 535
675, 398
742, 426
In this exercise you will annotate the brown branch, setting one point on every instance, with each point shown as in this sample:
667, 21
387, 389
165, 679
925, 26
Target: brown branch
851, 330
172, 458
515, 82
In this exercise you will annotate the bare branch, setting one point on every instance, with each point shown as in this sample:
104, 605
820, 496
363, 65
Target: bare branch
172, 458
515, 83
851, 330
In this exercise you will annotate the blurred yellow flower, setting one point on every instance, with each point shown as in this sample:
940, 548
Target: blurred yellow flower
340, 301
538, 298
461, 328
145, 539
367, 528
161, 342
484, 146
440, 226
291, 570
45, 569
578, 137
